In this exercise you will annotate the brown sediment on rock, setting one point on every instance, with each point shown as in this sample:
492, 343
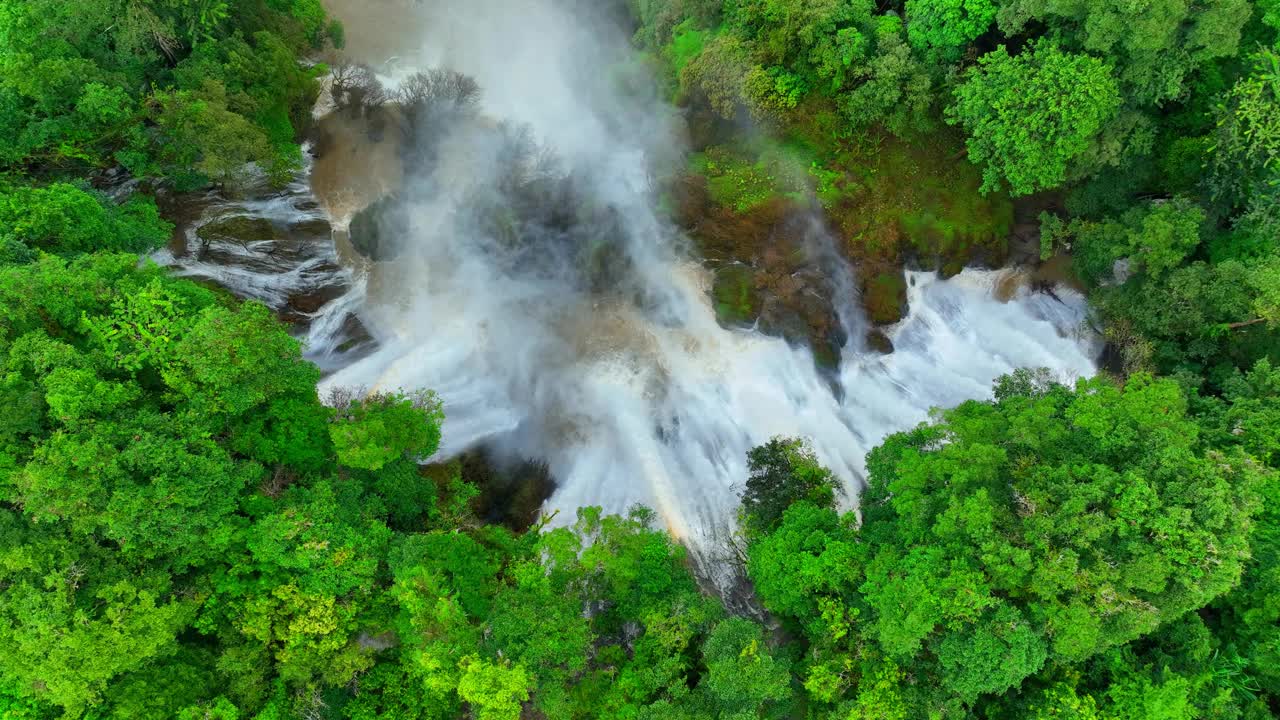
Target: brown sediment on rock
1010, 284
1057, 271
891, 205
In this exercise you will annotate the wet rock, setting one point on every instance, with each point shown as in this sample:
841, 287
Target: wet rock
1058, 270
763, 272
723, 235
878, 341
885, 297
1121, 270
375, 230
239, 229
1024, 238
310, 302
357, 336
950, 269
803, 316
317, 228
1024, 245
734, 292
512, 492
690, 199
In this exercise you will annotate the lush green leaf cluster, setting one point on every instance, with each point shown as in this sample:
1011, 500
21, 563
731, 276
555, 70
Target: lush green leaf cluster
1058, 540
182, 91
189, 532
1030, 117
65, 219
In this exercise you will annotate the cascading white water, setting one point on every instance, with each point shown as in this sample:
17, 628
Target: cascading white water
640, 396
297, 260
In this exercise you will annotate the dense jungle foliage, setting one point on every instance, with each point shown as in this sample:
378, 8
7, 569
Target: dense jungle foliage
188, 531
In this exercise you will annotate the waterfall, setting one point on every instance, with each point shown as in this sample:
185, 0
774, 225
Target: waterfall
638, 395
630, 393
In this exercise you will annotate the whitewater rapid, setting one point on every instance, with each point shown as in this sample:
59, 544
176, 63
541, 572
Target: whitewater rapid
663, 414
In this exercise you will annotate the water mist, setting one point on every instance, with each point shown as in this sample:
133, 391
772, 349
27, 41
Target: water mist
533, 285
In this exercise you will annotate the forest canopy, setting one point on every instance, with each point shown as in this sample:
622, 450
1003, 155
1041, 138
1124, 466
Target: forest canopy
188, 530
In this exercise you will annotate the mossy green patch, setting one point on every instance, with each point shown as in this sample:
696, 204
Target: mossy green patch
687, 42
735, 297
744, 178
239, 228
888, 196
733, 181
890, 202
937, 201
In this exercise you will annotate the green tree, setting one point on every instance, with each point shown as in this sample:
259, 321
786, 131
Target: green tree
892, 87
494, 692
92, 85
1031, 116
65, 220
743, 678
1016, 532
370, 432
1245, 154
298, 588
948, 26
75, 619
718, 74
1154, 238
783, 472
1155, 47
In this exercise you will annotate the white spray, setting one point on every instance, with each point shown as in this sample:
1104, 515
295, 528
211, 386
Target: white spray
640, 396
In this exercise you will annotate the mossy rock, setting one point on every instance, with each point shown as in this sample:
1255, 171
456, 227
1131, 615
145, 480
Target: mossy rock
734, 292
313, 228
239, 228
916, 201
743, 178
723, 235
826, 356
805, 318
310, 301
374, 230
885, 297
878, 341
950, 269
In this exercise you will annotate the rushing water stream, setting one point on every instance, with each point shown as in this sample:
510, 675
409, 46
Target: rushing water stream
635, 394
